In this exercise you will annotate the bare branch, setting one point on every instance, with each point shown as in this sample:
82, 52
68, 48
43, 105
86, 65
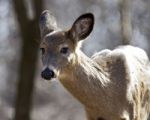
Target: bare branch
21, 15
125, 16
38, 7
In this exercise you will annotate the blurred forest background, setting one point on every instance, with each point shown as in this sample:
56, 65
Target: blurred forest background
23, 94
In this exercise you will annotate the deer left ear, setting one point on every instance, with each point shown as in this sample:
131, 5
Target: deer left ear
47, 23
82, 27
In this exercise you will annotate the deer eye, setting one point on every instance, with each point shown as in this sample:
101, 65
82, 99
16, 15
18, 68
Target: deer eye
64, 50
42, 50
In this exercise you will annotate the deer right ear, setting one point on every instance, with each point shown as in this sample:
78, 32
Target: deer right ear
82, 27
47, 23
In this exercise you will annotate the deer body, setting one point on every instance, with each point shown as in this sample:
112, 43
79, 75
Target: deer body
112, 85
107, 87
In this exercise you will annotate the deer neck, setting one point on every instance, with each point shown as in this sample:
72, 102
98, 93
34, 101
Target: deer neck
84, 79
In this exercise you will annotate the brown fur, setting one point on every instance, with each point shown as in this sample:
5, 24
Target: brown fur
112, 85
112, 100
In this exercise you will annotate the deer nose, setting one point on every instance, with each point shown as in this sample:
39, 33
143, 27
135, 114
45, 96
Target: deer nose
47, 74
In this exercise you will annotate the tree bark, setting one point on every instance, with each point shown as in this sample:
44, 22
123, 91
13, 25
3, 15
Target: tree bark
29, 34
125, 19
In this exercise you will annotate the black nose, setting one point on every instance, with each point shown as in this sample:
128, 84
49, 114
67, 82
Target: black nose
47, 74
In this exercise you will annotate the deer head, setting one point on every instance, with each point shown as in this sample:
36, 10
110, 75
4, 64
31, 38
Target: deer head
58, 47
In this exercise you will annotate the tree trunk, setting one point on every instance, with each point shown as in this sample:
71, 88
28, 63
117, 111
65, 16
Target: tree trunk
125, 20
29, 34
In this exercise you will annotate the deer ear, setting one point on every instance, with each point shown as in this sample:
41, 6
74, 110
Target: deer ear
82, 27
47, 23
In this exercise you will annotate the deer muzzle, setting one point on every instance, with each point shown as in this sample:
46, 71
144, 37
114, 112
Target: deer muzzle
47, 74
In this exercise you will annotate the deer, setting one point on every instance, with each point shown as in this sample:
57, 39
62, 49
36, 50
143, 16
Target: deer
111, 85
